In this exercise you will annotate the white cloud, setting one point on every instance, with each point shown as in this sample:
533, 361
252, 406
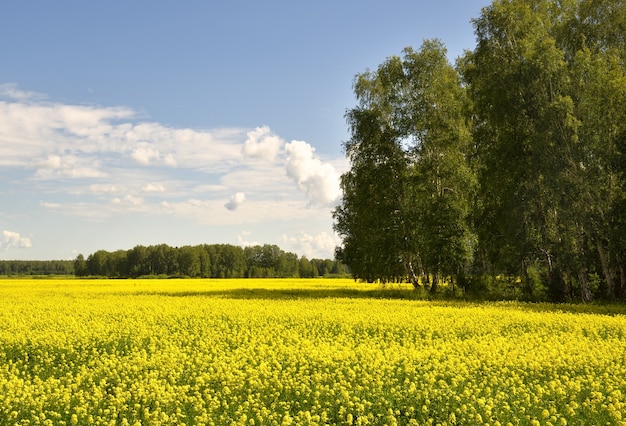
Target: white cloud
268, 214
52, 162
12, 239
198, 203
145, 154
103, 188
11, 90
53, 133
88, 142
243, 240
319, 180
153, 187
128, 200
321, 245
89, 211
82, 161
68, 166
50, 206
266, 180
152, 143
262, 143
236, 200
169, 160
30, 129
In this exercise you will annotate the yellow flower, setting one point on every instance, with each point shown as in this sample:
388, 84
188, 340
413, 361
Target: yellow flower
185, 352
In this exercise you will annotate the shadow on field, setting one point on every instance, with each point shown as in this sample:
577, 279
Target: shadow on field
598, 308
390, 293
296, 293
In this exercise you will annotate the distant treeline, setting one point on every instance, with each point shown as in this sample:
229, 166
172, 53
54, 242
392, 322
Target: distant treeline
205, 261
36, 267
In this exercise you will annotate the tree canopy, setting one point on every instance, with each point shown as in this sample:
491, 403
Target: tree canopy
509, 162
204, 261
405, 205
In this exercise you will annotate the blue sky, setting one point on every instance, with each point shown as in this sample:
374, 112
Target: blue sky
190, 122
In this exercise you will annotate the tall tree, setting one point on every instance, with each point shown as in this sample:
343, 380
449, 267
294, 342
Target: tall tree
515, 75
80, 266
370, 218
546, 79
189, 261
406, 197
597, 48
441, 183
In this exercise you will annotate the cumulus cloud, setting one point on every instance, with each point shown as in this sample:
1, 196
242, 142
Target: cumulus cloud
262, 143
145, 154
236, 200
319, 180
12, 239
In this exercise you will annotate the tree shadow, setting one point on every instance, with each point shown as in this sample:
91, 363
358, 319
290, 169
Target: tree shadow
380, 293
290, 294
604, 309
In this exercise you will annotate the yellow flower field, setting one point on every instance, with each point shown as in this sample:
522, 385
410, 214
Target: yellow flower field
256, 352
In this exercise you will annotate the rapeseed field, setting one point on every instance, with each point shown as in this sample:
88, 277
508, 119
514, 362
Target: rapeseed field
302, 352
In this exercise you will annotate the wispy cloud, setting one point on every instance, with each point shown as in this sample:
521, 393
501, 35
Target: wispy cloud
56, 133
12, 91
153, 187
98, 162
104, 188
67, 166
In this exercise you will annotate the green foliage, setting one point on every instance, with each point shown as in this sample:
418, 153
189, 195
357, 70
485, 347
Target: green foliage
548, 89
36, 267
406, 197
535, 286
204, 261
515, 168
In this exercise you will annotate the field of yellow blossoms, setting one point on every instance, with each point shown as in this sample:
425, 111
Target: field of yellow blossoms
263, 352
